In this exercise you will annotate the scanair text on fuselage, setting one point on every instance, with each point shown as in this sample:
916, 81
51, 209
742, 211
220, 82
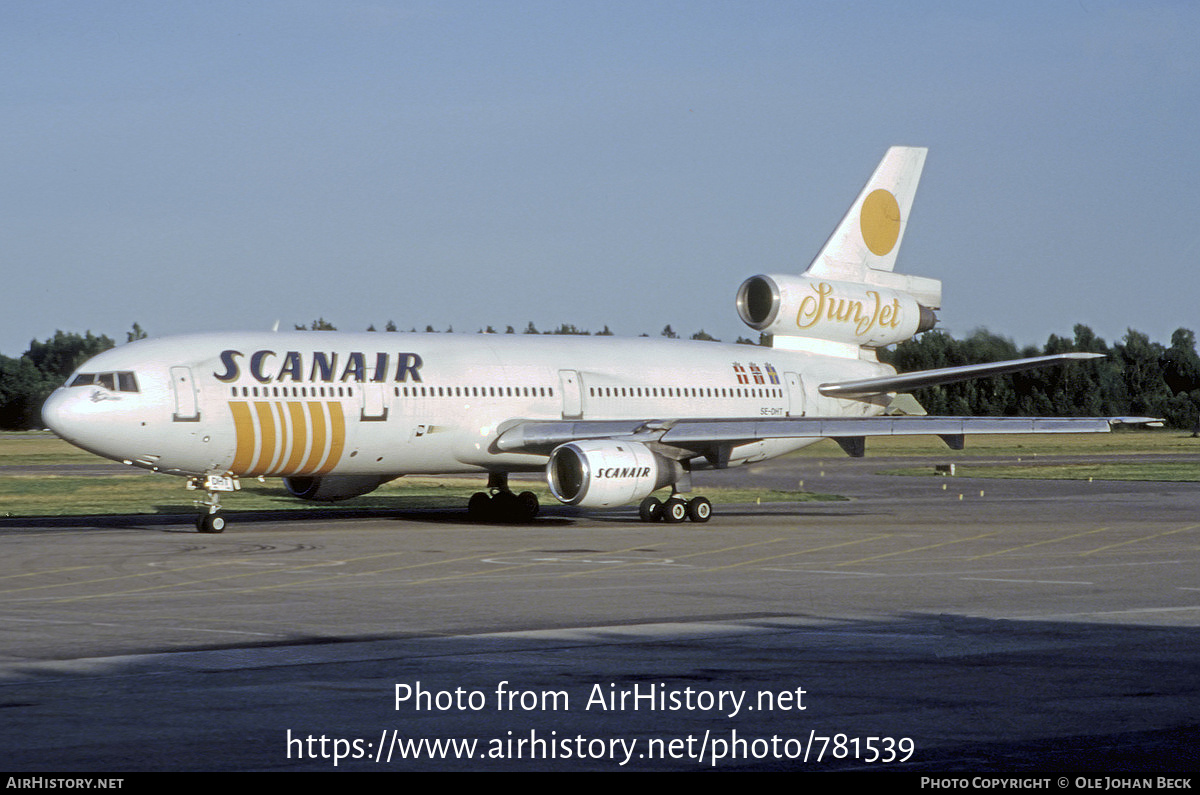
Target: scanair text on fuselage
266, 366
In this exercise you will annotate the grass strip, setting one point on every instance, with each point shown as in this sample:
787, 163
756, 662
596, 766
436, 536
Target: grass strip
1163, 472
142, 493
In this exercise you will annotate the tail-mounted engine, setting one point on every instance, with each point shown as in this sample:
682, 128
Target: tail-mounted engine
848, 312
601, 474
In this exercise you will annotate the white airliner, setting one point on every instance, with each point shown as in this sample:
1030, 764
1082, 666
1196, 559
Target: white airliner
609, 420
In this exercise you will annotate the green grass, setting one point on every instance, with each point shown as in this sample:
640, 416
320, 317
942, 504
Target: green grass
1121, 442
40, 448
1165, 471
134, 491
145, 493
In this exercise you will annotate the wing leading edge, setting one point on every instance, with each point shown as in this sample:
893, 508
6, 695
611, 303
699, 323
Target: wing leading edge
946, 375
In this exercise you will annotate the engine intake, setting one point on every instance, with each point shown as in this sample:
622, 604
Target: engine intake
865, 314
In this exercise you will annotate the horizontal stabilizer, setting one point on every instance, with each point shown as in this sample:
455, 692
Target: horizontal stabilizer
945, 375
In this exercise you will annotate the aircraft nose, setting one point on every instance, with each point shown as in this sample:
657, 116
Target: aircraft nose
57, 415
75, 416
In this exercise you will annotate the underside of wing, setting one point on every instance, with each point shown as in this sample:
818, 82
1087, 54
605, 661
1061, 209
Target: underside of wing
712, 437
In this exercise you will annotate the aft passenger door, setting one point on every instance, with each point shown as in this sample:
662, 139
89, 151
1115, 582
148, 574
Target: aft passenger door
795, 395
572, 394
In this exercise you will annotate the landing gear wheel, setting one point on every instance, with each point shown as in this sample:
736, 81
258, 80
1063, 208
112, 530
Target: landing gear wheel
210, 519
650, 509
210, 523
674, 510
504, 506
479, 507
699, 509
527, 506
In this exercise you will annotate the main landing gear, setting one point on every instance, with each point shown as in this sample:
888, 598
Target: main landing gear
210, 519
675, 509
501, 505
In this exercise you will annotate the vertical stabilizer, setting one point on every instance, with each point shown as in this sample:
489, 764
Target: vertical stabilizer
869, 236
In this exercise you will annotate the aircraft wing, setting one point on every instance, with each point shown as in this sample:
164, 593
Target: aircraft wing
945, 375
712, 438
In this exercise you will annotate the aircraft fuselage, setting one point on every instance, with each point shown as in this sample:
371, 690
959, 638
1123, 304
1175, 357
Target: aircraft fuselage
387, 404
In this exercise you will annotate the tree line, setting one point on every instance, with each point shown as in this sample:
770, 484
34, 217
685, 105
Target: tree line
321, 324
1139, 377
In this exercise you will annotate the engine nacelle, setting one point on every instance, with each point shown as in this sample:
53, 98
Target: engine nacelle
327, 488
604, 473
847, 312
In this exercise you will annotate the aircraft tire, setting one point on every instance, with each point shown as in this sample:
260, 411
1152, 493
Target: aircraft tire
506, 507
699, 509
527, 506
479, 507
674, 510
210, 523
650, 509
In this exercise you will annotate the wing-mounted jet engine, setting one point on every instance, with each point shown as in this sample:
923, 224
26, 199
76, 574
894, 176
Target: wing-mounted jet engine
331, 488
603, 474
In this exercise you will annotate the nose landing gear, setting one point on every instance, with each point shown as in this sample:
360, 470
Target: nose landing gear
210, 519
210, 523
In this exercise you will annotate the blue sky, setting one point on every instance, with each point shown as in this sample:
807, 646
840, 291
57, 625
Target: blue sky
199, 166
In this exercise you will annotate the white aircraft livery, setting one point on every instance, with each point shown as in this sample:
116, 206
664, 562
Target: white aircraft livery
610, 421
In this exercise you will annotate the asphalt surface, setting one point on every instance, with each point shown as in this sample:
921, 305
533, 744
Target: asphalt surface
928, 624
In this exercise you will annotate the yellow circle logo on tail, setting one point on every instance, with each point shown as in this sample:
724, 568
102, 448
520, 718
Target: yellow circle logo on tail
880, 221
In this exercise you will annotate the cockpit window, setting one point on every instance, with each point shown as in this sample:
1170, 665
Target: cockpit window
114, 382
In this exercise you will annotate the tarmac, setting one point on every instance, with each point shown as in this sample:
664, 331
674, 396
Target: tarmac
931, 624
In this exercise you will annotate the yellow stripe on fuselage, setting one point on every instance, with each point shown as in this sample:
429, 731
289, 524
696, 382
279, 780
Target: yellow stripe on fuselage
299, 436
287, 437
337, 437
316, 411
243, 425
266, 439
